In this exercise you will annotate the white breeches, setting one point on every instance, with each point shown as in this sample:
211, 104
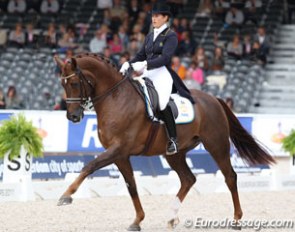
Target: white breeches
163, 82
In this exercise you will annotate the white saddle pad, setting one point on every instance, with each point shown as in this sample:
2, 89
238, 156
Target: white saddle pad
186, 113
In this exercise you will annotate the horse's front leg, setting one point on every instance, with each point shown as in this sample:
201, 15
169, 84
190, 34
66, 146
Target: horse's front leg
106, 158
125, 168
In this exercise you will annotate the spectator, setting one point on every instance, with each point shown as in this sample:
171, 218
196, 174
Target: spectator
49, 6
106, 18
195, 73
123, 36
115, 44
17, 36
3, 37
105, 32
50, 36
13, 101
104, 4
235, 48
133, 47
178, 67
82, 30
137, 34
117, 13
200, 59
108, 54
221, 7
234, 17
123, 58
16, 6
176, 27
205, 8
252, 8
186, 45
218, 60
98, 43
62, 29
184, 25
2, 100
140, 20
133, 11
30, 36
263, 40
247, 46
257, 54
67, 42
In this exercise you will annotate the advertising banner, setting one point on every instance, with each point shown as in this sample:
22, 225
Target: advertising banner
51, 125
271, 129
83, 136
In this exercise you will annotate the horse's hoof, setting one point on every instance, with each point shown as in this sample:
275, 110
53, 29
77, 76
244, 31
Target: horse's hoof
64, 200
173, 223
134, 227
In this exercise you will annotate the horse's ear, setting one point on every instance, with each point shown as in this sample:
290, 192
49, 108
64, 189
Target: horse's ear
59, 62
74, 63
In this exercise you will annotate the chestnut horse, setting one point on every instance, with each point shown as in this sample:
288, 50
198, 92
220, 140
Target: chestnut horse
124, 128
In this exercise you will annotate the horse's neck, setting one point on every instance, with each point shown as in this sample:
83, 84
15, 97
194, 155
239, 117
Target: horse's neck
124, 100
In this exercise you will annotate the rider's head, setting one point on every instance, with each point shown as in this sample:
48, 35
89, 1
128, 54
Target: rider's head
160, 14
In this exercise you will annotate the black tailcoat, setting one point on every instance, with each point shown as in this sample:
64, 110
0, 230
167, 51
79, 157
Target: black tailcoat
159, 53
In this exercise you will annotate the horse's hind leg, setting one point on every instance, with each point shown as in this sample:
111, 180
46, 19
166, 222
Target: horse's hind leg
126, 169
187, 179
219, 148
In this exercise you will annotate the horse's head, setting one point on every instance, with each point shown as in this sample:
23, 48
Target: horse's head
77, 88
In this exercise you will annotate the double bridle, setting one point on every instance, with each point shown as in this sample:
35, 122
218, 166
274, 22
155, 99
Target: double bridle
84, 100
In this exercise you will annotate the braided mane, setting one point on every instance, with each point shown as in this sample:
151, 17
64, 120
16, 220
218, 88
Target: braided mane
98, 57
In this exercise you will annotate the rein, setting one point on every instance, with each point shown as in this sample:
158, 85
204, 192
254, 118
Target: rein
108, 92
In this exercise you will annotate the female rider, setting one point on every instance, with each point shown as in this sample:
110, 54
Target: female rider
154, 61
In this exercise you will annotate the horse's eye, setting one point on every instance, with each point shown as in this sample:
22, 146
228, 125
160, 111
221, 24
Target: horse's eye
75, 85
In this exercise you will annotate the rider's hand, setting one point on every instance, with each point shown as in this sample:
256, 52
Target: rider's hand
139, 66
124, 67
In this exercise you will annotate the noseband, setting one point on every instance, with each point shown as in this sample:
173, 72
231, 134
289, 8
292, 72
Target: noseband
85, 100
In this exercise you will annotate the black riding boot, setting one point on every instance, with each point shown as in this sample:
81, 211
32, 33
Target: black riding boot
168, 118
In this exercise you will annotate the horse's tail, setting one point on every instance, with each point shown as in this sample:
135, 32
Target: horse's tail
248, 148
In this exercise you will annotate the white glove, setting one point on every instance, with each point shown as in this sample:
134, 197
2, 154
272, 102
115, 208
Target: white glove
124, 67
139, 66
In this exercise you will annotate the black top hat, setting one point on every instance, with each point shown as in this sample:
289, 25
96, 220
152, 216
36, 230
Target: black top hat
161, 8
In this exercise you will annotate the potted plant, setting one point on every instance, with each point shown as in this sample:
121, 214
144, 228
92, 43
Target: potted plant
288, 144
19, 142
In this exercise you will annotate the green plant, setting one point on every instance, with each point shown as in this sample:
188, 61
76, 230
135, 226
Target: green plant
16, 132
289, 143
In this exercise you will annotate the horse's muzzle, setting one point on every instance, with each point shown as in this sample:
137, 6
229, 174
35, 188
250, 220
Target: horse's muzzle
76, 116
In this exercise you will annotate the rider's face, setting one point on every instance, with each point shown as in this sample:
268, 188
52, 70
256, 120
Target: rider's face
158, 20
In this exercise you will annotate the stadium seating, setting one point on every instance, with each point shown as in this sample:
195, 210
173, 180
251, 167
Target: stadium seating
33, 72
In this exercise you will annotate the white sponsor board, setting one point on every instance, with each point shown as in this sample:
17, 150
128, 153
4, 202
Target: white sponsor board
51, 125
271, 129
